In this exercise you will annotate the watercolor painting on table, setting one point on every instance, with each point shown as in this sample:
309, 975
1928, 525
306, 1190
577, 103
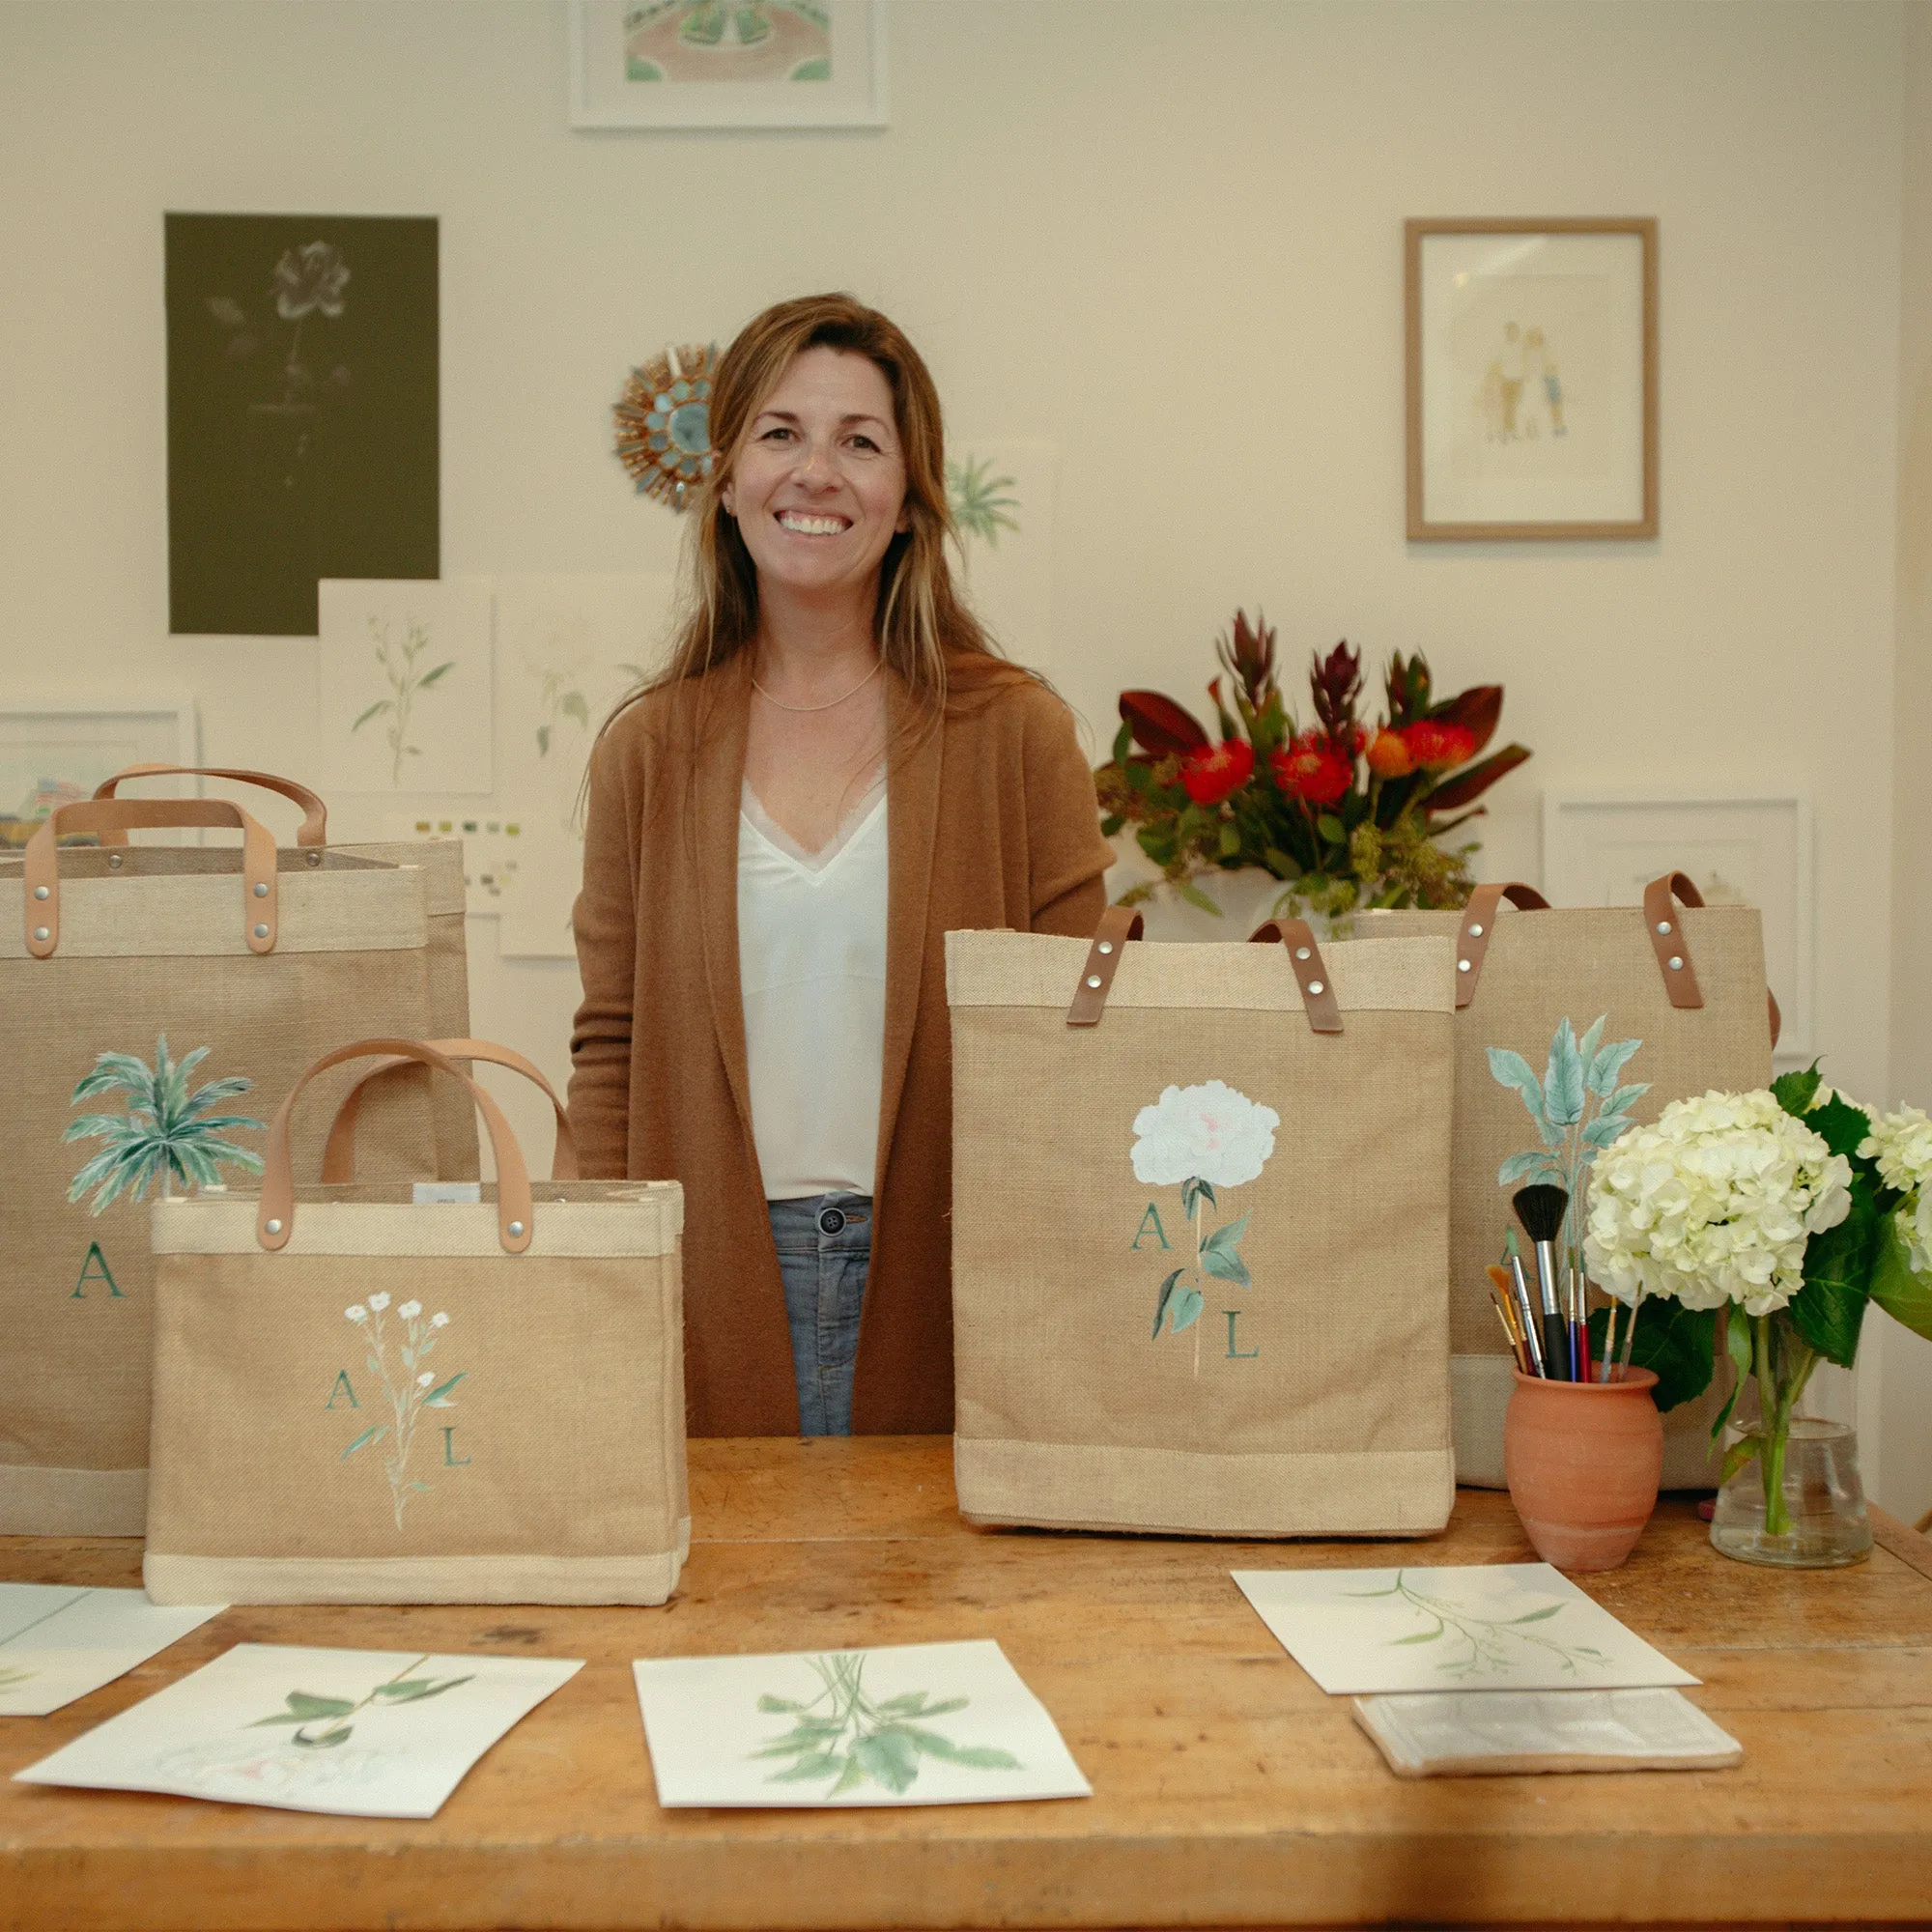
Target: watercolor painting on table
405, 686
921, 1723
1492, 1626
361, 1733
59, 1642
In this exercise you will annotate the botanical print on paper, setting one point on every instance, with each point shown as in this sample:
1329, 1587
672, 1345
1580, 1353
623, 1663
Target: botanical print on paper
727, 40
1474, 1645
852, 1740
979, 501
399, 663
334, 1715
12, 1677
1201, 1138
167, 1134
409, 1387
1577, 1110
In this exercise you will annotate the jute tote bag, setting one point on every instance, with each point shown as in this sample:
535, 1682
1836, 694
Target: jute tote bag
1200, 1232
1681, 981
371, 1394
447, 959
156, 1004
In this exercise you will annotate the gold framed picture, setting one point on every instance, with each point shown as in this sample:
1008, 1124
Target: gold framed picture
1531, 349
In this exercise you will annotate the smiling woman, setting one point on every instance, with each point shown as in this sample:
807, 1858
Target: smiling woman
835, 768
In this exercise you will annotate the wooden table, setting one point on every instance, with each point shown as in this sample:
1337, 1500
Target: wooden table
1227, 1789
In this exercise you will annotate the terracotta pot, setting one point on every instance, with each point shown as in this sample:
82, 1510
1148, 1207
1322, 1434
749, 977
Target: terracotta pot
1582, 1461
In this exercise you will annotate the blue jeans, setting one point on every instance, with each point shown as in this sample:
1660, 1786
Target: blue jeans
825, 1250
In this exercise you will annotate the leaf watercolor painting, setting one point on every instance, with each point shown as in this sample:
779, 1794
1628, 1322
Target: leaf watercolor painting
59, 1642
924, 1723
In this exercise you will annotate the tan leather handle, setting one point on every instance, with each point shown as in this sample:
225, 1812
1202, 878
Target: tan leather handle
315, 815
41, 866
276, 1217
338, 1158
1661, 899
1118, 925
1311, 974
1479, 924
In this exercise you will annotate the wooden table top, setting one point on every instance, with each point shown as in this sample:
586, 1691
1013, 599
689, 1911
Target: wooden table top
1227, 1790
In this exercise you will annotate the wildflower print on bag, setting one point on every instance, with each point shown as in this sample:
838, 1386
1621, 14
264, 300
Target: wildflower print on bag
167, 1134
1198, 1139
1578, 1109
409, 1387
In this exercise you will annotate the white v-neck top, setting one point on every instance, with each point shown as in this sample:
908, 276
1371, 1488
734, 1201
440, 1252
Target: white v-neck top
811, 959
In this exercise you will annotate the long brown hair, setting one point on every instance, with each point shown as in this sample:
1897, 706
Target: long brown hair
924, 631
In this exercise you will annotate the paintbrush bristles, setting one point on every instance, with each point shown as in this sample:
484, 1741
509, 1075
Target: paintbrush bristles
1540, 1209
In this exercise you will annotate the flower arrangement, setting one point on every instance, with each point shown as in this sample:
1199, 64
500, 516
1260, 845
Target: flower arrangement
1344, 814
1787, 1211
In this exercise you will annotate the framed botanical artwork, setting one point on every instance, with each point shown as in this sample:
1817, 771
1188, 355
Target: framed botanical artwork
728, 63
1604, 849
1531, 379
54, 750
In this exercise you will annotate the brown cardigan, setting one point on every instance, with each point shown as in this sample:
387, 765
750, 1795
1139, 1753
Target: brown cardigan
991, 822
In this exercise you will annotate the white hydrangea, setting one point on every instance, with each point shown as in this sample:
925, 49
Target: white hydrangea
1211, 1132
1715, 1203
1901, 1144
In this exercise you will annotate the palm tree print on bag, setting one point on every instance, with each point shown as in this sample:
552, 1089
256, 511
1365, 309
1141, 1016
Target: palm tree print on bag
167, 1133
411, 1388
1201, 1138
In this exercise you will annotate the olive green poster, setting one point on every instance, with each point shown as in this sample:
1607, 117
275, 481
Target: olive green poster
302, 412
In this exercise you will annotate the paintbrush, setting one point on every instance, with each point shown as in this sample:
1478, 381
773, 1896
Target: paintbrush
1509, 1331
1578, 1291
1505, 1305
1629, 1337
1525, 1310
1540, 1209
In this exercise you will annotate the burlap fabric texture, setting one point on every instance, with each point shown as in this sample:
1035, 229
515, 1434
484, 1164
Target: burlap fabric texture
360, 1397
148, 942
1526, 972
1294, 1379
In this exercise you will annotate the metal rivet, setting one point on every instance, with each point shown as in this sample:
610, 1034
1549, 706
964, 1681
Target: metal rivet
1462, 965
262, 889
1302, 952
314, 860
114, 861
42, 933
1664, 926
516, 1230
1676, 963
1476, 932
39, 892
261, 932
1105, 945
273, 1227
1094, 981
1315, 985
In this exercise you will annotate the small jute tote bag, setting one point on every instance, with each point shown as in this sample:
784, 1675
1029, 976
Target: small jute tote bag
379, 1393
445, 959
1655, 1002
156, 1002
1200, 1231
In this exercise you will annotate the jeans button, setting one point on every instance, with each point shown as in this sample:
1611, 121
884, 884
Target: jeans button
831, 1221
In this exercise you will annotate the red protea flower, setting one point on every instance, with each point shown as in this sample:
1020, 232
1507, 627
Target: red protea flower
1389, 756
1210, 775
1437, 747
1312, 773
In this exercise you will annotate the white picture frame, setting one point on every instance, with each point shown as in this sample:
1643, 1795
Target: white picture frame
1598, 848
632, 64
65, 746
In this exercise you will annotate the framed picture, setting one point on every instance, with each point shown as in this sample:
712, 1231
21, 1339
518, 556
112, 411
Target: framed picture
1531, 379
1603, 849
728, 63
54, 750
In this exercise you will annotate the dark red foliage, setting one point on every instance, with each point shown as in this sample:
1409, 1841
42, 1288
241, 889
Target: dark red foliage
1160, 725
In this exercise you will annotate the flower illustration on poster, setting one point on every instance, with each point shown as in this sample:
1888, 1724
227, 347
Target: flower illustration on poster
396, 1358
1207, 1140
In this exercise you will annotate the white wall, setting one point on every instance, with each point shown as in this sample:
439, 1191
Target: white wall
1165, 238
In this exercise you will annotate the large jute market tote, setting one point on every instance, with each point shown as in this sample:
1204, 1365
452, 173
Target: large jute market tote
156, 1004
447, 959
375, 1393
1682, 980
1200, 1232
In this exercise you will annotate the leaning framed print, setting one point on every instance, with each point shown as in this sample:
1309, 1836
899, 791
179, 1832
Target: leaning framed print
1531, 379
55, 750
728, 63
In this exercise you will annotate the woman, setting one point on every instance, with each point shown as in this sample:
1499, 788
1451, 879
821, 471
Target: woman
835, 768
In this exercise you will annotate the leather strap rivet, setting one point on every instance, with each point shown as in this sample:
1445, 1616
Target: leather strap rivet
261, 932
516, 1230
1677, 962
1476, 932
39, 892
113, 861
314, 860
1302, 952
273, 1226
262, 889
1094, 981
1462, 965
42, 933
1664, 926
1315, 986
1106, 946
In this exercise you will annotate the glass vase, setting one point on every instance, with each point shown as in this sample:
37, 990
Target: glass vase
1821, 1520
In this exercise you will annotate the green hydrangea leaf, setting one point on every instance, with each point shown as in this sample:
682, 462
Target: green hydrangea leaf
1674, 1340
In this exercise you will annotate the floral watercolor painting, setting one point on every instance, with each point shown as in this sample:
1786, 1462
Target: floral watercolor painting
408, 677
1198, 1139
727, 40
60, 1642
408, 1385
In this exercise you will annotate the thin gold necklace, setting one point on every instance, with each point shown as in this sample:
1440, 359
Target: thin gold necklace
831, 703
